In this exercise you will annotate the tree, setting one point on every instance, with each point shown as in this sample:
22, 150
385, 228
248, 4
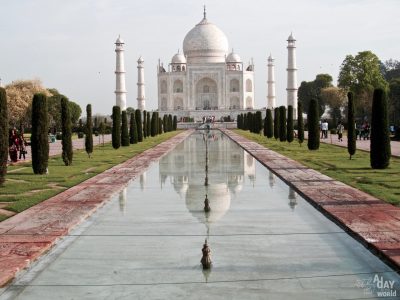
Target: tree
139, 126
149, 124
169, 122
265, 130
175, 124
39, 138
160, 126
391, 69
250, 122
351, 124
130, 110
313, 125
165, 123
336, 99
154, 126
133, 135
282, 124
300, 123
258, 122
276, 123
102, 130
124, 130
361, 74
290, 129
66, 130
19, 100
116, 127
89, 131
308, 90
394, 101
54, 110
380, 138
270, 124
3, 135
245, 122
145, 132
239, 121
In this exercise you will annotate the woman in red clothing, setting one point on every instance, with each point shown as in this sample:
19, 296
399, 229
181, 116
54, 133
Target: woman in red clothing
13, 145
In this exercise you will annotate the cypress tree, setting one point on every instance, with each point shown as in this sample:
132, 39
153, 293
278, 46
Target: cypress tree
133, 135
380, 151
154, 127
89, 130
351, 123
300, 123
175, 125
66, 130
116, 127
169, 122
39, 137
276, 123
139, 125
239, 121
160, 126
124, 130
245, 122
270, 124
148, 124
259, 122
282, 124
265, 126
250, 121
3, 135
290, 129
313, 125
145, 120
96, 124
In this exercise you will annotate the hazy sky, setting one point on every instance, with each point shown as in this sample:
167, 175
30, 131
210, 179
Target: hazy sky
69, 45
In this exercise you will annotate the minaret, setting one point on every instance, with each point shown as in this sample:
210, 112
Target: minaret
271, 83
120, 91
292, 75
140, 85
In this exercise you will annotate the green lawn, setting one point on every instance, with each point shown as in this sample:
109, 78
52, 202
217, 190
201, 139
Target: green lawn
23, 189
334, 162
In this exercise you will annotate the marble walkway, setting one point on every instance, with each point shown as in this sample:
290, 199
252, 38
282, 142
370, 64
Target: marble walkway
371, 221
29, 234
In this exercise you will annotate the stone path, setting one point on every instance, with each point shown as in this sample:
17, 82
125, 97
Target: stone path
56, 148
361, 144
26, 236
371, 221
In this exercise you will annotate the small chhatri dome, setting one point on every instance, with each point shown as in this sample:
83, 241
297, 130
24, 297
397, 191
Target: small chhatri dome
205, 43
178, 58
140, 60
233, 58
119, 40
270, 58
291, 37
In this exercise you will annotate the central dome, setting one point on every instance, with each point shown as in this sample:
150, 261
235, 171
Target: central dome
205, 43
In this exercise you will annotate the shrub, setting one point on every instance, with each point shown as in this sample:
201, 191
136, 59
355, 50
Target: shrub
290, 129
380, 136
282, 124
116, 127
300, 123
276, 123
270, 124
313, 125
66, 135
139, 125
133, 135
124, 130
3, 135
175, 124
89, 130
351, 131
39, 138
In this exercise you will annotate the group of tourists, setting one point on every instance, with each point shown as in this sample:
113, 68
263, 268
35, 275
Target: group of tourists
17, 145
363, 131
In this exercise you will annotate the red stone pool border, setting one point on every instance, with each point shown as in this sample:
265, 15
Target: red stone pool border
371, 221
29, 234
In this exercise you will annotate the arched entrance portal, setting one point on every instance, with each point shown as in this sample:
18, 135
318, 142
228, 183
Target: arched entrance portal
206, 94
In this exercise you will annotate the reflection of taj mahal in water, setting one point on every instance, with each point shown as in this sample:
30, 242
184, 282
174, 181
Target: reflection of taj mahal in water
228, 167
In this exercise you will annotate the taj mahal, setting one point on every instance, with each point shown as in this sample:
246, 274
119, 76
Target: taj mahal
206, 78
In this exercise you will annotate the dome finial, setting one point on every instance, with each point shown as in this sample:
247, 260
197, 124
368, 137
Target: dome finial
204, 12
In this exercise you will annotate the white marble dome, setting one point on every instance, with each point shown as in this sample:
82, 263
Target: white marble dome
205, 43
178, 58
233, 58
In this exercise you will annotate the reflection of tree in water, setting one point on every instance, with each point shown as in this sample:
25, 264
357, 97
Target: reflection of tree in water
271, 179
292, 198
122, 200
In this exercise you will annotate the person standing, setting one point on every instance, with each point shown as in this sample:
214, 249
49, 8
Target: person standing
339, 130
325, 129
22, 146
13, 145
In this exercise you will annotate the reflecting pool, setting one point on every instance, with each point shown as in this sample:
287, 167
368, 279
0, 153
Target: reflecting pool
266, 241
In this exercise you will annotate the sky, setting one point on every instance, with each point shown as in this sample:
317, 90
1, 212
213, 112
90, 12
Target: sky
69, 45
